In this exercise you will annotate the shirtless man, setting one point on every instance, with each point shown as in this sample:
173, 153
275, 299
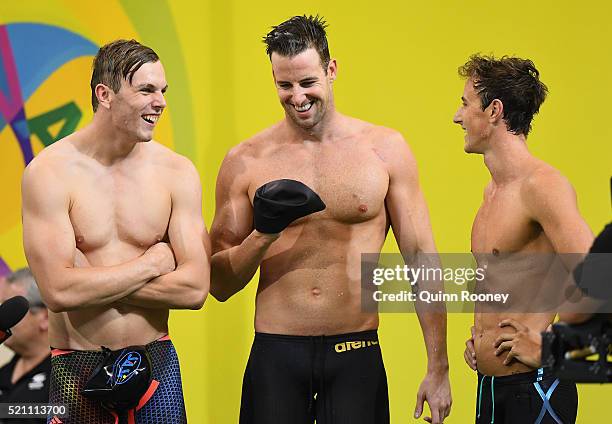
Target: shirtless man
127, 212
308, 304
528, 208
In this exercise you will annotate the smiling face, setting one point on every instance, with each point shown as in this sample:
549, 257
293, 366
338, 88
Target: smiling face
136, 107
474, 121
304, 89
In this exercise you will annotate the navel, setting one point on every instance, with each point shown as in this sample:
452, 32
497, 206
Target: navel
316, 291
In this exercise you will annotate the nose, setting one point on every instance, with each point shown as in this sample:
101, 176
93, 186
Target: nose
298, 96
159, 101
457, 118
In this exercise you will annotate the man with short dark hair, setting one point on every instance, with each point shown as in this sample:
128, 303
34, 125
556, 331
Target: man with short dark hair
528, 216
326, 188
114, 234
25, 379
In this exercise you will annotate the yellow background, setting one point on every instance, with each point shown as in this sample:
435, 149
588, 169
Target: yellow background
397, 67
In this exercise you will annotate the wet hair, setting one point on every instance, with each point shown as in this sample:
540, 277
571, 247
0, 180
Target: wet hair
25, 278
513, 81
296, 35
118, 60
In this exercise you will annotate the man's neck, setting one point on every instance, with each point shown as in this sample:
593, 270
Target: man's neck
103, 142
507, 157
327, 129
28, 360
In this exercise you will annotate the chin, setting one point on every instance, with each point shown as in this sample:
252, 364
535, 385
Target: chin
145, 138
305, 124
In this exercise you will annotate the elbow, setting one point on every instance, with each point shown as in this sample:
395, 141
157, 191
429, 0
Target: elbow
57, 302
192, 297
574, 317
219, 295
196, 301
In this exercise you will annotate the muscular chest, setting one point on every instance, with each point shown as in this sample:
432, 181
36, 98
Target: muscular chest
503, 224
353, 184
130, 207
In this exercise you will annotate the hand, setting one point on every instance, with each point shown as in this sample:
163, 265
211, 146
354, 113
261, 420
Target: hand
161, 257
470, 352
435, 389
524, 345
80, 260
280, 202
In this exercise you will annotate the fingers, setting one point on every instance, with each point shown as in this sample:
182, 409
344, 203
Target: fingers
504, 346
511, 355
418, 410
473, 331
503, 338
509, 322
439, 411
470, 359
435, 416
447, 410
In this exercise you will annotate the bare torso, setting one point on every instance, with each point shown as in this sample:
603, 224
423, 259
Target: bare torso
310, 277
117, 212
503, 225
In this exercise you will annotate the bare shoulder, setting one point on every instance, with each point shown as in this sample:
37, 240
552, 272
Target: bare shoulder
51, 161
165, 156
389, 144
545, 181
259, 144
239, 158
545, 188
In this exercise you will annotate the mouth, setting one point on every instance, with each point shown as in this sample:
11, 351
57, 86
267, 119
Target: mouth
150, 118
304, 108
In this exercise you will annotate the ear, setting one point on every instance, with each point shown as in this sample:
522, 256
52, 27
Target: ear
332, 70
496, 110
104, 95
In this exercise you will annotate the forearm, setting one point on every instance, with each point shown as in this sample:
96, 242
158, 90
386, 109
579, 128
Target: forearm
184, 288
432, 317
77, 288
433, 325
233, 268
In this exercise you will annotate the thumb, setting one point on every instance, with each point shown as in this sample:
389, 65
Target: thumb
418, 410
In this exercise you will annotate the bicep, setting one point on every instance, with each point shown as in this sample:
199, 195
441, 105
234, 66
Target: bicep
48, 235
406, 205
186, 229
233, 220
557, 212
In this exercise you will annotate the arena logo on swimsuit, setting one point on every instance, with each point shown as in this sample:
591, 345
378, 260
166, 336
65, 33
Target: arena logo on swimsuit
346, 346
127, 366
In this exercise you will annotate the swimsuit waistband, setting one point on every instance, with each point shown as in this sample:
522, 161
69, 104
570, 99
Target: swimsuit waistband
368, 335
57, 352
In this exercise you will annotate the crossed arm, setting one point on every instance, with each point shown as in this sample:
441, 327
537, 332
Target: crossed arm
50, 248
187, 286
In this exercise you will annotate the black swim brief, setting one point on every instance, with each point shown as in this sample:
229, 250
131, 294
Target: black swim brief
163, 402
536, 397
336, 379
